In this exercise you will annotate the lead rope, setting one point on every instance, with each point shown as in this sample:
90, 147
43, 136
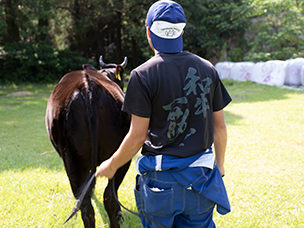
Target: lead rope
79, 200
133, 212
116, 197
84, 192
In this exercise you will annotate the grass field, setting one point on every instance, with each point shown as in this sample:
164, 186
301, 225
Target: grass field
264, 162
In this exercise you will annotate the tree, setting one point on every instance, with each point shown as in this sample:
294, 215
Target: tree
215, 27
3, 26
95, 27
276, 31
218, 30
135, 43
10, 16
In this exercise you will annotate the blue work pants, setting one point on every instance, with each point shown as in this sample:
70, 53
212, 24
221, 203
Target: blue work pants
162, 202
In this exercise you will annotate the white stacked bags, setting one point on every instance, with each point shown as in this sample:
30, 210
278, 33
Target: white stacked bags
269, 73
242, 71
224, 69
293, 71
273, 72
302, 75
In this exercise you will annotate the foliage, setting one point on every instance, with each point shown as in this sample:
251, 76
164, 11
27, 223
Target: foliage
219, 30
135, 43
2, 24
36, 62
214, 27
276, 31
235, 55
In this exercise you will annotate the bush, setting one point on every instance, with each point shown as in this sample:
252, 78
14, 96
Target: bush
276, 31
283, 54
235, 55
69, 61
36, 62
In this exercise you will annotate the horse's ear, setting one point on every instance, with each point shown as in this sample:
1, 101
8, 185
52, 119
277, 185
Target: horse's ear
119, 72
119, 69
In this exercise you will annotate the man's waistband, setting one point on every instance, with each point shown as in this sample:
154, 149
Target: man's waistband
166, 162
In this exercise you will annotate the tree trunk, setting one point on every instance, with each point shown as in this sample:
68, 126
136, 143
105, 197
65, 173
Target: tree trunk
118, 37
11, 14
43, 22
43, 35
135, 52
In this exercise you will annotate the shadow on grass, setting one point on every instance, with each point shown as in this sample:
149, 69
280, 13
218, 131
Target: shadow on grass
100, 210
252, 92
37, 95
32, 88
23, 139
128, 218
231, 118
24, 142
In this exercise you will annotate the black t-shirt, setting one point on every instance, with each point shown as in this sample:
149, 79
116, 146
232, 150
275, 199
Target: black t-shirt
179, 93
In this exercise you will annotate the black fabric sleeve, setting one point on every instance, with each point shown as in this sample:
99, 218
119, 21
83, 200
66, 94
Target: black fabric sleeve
221, 97
138, 98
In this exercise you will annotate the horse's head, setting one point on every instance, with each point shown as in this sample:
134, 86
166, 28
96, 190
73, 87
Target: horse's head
114, 71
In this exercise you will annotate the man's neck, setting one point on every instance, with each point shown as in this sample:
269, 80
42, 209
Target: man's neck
158, 52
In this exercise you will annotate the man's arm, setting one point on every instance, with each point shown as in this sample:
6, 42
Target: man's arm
132, 142
220, 139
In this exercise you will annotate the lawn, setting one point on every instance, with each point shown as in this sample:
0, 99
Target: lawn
264, 162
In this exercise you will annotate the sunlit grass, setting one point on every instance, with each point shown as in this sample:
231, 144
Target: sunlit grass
264, 162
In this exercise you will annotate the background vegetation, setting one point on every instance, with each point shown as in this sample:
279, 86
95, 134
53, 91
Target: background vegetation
264, 162
40, 40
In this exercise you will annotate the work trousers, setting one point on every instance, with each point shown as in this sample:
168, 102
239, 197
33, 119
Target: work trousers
162, 202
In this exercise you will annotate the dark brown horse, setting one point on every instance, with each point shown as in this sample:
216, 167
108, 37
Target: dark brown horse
86, 125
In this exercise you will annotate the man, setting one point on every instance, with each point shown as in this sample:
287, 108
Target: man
176, 100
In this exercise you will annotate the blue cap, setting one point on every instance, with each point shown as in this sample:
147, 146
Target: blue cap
166, 21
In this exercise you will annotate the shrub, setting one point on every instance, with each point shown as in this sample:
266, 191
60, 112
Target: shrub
36, 62
235, 55
276, 31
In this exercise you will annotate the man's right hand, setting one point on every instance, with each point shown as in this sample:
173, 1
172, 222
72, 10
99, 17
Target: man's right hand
222, 169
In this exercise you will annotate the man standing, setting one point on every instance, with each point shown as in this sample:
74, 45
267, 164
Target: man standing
176, 100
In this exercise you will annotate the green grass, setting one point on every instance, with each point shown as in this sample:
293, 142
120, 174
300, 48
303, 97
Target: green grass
264, 162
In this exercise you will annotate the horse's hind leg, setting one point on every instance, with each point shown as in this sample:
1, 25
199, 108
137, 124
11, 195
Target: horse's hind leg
111, 204
87, 210
78, 178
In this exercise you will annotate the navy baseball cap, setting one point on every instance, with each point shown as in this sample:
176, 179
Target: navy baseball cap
166, 21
